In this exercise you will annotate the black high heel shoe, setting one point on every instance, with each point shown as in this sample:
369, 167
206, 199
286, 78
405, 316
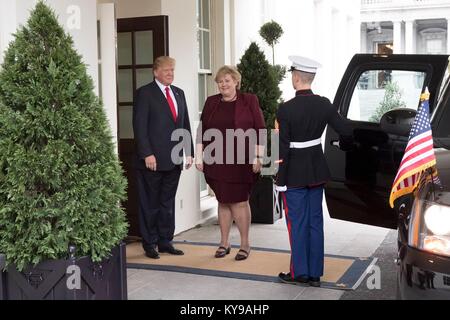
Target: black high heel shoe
242, 255
222, 252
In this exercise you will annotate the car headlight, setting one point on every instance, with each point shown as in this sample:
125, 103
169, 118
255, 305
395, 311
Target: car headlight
437, 219
429, 228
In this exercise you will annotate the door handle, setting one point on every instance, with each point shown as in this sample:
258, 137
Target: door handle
335, 143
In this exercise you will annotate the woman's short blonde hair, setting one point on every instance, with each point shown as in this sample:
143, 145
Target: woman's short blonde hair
232, 71
162, 61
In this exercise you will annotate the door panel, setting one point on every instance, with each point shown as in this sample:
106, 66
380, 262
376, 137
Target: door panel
139, 42
361, 178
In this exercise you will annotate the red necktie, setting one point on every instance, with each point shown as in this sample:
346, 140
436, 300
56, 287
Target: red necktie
171, 104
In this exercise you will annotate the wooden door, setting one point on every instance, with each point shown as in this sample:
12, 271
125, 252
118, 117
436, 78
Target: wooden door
139, 42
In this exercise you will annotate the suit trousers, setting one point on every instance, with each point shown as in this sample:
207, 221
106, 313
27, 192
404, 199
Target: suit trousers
304, 219
157, 191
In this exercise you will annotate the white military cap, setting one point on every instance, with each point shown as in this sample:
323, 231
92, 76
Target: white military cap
304, 64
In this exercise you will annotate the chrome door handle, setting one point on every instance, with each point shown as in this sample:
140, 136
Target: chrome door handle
336, 144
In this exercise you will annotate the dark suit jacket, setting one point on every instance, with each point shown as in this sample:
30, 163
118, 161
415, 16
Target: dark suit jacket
302, 119
153, 126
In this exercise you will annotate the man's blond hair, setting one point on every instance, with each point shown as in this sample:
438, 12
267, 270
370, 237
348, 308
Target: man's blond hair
162, 61
306, 77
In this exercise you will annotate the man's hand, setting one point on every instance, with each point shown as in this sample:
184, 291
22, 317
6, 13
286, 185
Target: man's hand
189, 162
150, 163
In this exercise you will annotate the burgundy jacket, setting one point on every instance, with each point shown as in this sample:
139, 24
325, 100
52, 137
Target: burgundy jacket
247, 115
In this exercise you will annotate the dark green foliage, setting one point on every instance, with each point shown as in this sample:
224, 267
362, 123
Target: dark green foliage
60, 180
271, 32
262, 79
392, 100
280, 71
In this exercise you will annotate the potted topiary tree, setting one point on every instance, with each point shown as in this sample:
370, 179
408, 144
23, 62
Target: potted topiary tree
271, 32
60, 179
262, 79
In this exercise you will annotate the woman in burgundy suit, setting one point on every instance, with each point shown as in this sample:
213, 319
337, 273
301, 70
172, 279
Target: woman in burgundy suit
231, 171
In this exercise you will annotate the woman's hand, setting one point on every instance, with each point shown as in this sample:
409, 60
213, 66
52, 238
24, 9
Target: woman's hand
199, 163
257, 165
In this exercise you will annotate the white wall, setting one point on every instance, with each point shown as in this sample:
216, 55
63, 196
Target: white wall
325, 30
108, 68
183, 47
138, 8
8, 22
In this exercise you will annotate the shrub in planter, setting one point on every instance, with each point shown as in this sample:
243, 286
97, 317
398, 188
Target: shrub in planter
60, 179
262, 79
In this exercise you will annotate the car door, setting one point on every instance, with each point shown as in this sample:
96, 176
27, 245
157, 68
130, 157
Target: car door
372, 86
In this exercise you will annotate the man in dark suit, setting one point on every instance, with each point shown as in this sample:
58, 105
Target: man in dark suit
162, 131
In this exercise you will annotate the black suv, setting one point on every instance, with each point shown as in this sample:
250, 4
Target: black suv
380, 95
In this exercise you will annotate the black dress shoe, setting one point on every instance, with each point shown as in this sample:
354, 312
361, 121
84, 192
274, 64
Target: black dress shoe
152, 253
287, 278
314, 282
171, 250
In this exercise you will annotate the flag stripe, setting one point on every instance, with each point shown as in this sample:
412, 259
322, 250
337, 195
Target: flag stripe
405, 166
418, 163
417, 138
426, 142
418, 155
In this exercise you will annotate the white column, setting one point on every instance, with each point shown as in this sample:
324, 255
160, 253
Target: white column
410, 37
448, 36
398, 37
106, 15
323, 39
8, 24
220, 33
363, 48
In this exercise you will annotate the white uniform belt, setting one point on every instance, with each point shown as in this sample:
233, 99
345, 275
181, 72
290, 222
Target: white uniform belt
306, 144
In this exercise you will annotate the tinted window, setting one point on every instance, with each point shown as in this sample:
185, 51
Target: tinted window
379, 91
443, 129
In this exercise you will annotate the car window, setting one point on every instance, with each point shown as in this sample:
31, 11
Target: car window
443, 129
379, 91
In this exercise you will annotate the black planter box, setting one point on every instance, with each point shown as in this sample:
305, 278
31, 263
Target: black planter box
265, 203
54, 279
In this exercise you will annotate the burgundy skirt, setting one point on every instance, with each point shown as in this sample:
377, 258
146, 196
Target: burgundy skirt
230, 192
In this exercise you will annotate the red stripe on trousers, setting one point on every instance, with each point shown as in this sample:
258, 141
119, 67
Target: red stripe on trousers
289, 226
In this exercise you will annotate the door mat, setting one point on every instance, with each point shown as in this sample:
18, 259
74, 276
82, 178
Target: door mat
263, 264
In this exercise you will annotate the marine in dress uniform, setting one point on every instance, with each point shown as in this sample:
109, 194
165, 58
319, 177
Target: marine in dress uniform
303, 171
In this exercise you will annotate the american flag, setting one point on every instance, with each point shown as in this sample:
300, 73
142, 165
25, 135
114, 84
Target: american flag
419, 153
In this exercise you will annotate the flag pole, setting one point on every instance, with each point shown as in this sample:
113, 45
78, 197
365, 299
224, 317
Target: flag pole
433, 190
426, 96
